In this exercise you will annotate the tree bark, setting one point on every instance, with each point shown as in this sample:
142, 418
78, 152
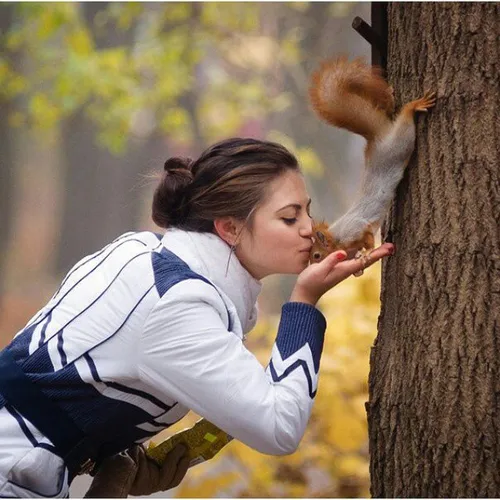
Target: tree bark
434, 405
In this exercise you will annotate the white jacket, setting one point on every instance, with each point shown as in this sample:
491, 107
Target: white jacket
118, 345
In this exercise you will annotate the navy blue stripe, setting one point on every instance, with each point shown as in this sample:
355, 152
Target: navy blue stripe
291, 368
310, 322
137, 392
42, 335
92, 257
161, 415
150, 433
91, 271
20, 344
22, 424
169, 269
47, 446
158, 424
37, 316
29, 401
121, 326
93, 369
64, 359
88, 259
73, 270
103, 292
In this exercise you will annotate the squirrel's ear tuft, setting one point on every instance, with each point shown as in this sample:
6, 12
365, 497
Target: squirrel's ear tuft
321, 237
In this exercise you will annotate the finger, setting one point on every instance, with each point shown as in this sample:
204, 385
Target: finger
375, 255
182, 468
333, 259
383, 250
357, 265
337, 261
174, 455
169, 467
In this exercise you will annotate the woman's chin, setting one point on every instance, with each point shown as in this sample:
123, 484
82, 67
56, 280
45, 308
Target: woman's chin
293, 267
300, 267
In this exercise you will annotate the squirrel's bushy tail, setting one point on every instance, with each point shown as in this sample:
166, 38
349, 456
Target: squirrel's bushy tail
352, 95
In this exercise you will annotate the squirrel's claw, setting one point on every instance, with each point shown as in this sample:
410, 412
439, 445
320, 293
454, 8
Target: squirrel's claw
426, 102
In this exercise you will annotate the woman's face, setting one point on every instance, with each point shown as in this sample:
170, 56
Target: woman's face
280, 239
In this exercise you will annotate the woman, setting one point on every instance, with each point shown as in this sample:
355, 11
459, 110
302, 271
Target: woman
152, 326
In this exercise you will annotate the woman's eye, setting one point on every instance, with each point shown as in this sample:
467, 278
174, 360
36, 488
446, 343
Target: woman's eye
289, 221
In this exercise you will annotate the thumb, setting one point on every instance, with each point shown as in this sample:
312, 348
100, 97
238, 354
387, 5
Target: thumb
177, 452
171, 464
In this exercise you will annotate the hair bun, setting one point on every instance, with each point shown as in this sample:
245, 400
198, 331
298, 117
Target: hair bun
177, 163
171, 198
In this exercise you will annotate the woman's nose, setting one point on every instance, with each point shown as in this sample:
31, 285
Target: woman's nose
306, 230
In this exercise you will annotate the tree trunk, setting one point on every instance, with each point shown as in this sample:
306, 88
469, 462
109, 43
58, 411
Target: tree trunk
435, 367
103, 193
102, 196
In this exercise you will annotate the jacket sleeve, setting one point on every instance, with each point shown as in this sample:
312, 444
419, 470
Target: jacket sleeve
188, 353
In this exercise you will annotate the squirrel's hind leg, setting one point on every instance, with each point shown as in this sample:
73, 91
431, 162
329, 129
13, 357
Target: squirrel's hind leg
423, 104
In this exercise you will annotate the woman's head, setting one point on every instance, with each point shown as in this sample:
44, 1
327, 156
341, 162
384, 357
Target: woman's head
224, 192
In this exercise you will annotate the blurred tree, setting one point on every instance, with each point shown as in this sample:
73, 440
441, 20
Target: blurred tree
138, 72
435, 370
119, 76
129, 65
101, 199
6, 148
318, 28
152, 78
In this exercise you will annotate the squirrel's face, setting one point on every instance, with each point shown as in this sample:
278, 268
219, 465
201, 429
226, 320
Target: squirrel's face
323, 242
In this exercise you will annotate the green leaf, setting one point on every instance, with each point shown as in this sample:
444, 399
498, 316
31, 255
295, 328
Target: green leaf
43, 112
79, 42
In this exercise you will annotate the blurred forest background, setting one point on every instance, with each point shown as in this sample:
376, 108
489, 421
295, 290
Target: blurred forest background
95, 96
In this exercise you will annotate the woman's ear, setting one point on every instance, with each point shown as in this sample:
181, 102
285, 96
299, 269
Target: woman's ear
228, 228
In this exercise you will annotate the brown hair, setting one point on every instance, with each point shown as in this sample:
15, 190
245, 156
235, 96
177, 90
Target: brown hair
228, 179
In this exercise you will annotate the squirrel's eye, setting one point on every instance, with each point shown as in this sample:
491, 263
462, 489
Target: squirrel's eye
316, 256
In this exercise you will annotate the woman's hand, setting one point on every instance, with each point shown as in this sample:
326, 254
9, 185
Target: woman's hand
320, 277
132, 472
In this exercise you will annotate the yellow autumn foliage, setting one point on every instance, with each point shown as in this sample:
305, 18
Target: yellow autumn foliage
332, 459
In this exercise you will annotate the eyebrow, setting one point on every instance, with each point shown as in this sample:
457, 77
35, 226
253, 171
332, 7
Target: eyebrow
298, 206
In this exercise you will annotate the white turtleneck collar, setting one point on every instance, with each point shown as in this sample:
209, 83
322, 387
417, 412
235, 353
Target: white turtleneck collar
207, 254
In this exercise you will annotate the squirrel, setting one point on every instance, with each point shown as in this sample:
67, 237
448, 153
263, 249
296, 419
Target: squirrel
354, 96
